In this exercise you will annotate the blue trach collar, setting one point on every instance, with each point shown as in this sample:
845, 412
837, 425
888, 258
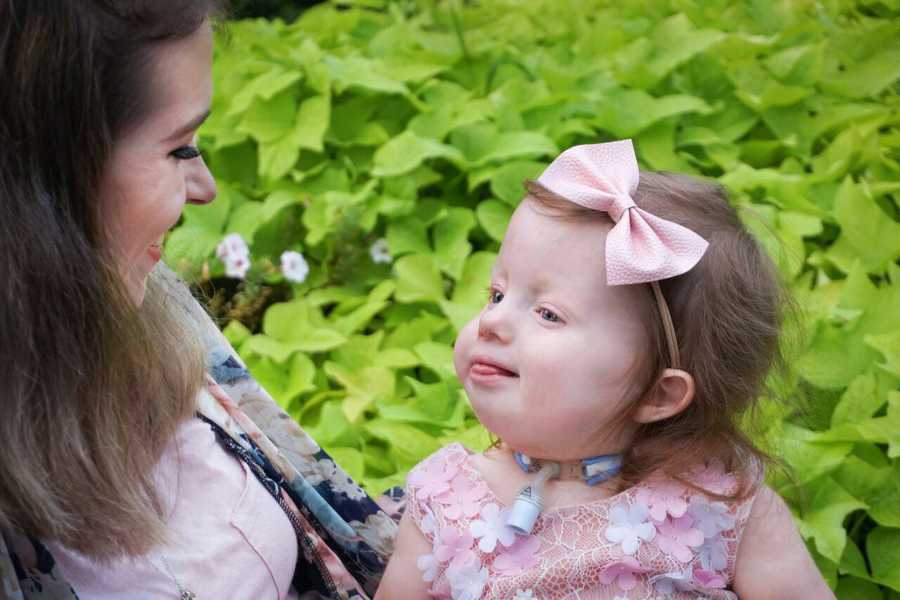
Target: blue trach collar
592, 470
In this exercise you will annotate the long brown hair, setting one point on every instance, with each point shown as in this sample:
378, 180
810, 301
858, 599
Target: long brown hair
93, 386
727, 312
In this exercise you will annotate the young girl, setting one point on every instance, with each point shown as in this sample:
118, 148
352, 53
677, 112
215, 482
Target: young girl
628, 324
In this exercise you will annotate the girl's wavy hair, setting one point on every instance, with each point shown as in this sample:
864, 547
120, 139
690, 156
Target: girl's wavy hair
94, 386
728, 313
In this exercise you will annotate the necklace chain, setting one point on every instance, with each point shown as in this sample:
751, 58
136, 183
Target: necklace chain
183, 592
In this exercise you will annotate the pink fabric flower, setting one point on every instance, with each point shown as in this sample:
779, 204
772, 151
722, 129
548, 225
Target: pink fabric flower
467, 579
519, 557
623, 573
713, 478
709, 579
450, 543
463, 498
663, 498
432, 479
677, 537
629, 526
492, 528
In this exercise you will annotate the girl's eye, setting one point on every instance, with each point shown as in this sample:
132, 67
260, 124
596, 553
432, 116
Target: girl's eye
495, 297
186, 152
548, 315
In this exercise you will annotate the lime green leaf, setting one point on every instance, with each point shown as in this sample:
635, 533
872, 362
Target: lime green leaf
625, 113
271, 120
824, 520
862, 222
889, 346
451, 240
493, 217
883, 548
407, 151
358, 72
507, 180
438, 358
250, 216
418, 278
809, 457
311, 124
859, 401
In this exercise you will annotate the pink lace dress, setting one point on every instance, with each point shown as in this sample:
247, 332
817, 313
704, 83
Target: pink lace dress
655, 540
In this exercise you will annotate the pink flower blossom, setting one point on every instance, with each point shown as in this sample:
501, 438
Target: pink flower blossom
623, 573
519, 557
711, 518
451, 543
492, 528
463, 498
663, 498
713, 478
709, 579
432, 479
677, 537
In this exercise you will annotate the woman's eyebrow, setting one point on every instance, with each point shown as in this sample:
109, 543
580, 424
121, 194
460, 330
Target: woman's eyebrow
191, 125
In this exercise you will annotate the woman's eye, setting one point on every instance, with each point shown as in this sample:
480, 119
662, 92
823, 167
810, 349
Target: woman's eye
548, 315
495, 297
186, 152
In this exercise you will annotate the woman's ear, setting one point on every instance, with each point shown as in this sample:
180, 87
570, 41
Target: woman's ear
673, 392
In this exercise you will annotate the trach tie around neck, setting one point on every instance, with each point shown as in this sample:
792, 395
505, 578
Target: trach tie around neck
529, 503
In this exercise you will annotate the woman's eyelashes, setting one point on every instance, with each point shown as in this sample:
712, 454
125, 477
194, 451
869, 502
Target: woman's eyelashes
186, 152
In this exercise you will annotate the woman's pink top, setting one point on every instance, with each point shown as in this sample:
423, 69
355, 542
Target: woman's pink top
229, 538
658, 539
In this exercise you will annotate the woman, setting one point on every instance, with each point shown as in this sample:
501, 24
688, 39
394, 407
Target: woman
128, 471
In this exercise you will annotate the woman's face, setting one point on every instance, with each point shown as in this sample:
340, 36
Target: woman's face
155, 168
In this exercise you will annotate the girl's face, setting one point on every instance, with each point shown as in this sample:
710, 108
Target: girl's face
155, 168
546, 363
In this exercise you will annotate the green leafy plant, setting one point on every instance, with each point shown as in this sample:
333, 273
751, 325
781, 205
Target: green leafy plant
387, 142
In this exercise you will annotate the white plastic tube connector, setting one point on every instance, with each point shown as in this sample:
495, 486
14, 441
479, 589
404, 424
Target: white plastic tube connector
529, 504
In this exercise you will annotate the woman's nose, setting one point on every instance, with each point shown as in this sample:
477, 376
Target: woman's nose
200, 186
495, 323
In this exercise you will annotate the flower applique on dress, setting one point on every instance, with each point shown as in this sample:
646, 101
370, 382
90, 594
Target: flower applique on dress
659, 539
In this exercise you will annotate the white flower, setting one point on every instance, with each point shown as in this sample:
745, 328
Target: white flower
667, 583
294, 266
467, 579
379, 252
429, 523
711, 518
629, 526
428, 564
524, 595
235, 255
491, 528
713, 554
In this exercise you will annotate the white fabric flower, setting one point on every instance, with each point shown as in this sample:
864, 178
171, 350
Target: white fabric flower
235, 255
467, 579
628, 526
294, 267
713, 554
667, 583
711, 518
379, 252
491, 528
524, 595
428, 564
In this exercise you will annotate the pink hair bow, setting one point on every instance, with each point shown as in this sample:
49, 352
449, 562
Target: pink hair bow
641, 247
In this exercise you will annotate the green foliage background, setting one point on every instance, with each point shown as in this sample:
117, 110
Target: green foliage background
417, 121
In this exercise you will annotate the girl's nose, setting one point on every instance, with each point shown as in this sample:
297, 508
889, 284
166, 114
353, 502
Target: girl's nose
495, 323
200, 186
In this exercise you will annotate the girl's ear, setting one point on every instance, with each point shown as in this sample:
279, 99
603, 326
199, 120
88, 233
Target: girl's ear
673, 392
